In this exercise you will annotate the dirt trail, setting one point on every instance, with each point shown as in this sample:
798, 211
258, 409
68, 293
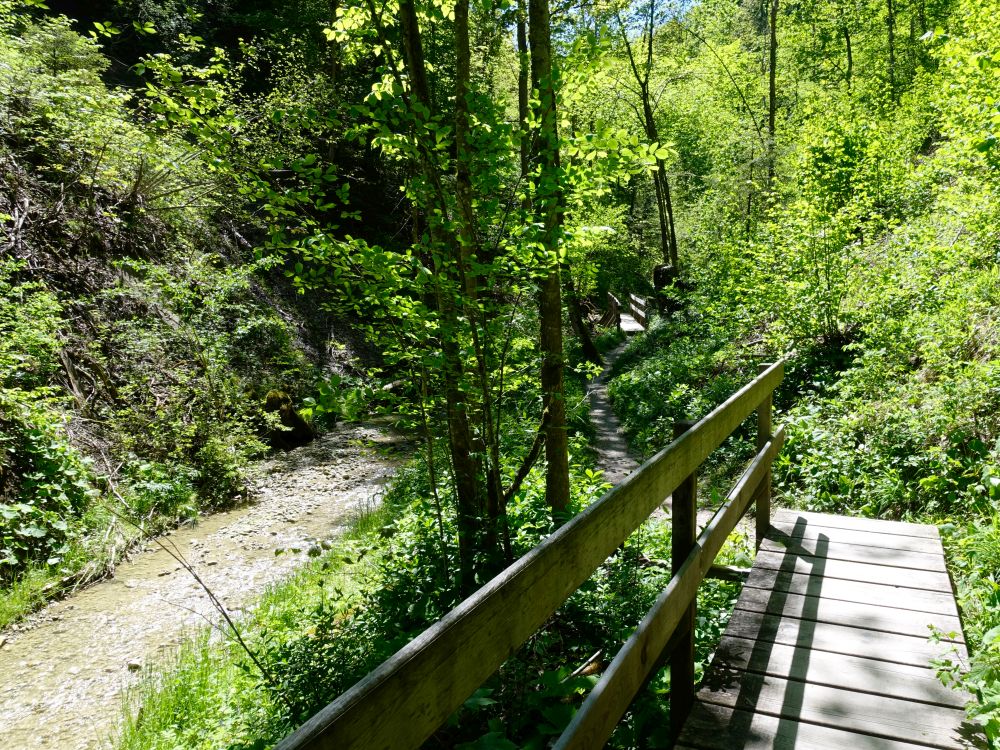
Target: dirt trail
63, 674
613, 455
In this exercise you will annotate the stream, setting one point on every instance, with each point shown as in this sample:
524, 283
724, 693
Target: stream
62, 673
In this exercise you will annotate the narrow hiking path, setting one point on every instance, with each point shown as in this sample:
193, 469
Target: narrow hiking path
63, 673
613, 455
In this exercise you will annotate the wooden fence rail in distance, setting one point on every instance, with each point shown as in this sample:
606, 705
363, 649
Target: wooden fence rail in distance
405, 699
612, 316
639, 307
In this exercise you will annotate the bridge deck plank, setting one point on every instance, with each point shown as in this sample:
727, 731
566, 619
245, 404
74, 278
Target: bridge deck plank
828, 646
630, 325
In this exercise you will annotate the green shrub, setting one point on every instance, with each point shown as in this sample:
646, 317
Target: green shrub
161, 490
44, 486
973, 550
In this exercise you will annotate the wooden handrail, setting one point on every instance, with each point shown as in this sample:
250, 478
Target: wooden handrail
609, 700
405, 699
639, 309
612, 316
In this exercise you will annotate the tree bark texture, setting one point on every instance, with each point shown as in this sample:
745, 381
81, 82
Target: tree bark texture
469, 250
523, 70
549, 199
849, 75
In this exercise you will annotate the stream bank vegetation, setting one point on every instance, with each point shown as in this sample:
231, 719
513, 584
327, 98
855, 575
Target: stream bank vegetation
199, 199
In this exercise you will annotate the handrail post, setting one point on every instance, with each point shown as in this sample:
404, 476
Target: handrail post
763, 497
684, 532
615, 306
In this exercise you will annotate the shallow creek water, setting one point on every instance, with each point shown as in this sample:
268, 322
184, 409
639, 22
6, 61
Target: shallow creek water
63, 673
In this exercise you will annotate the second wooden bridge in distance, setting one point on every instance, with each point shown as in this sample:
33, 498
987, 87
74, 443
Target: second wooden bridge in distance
630, 318
827, 648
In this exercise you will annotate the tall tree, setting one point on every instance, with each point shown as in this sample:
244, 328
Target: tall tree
772, 92
661, 183
465, 465
548, 196
890, 22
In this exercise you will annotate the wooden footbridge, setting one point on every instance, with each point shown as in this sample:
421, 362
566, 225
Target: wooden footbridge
828, 648
630, 318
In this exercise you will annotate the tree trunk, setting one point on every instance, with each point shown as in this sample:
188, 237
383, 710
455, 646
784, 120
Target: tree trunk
668, 246
850, 57
772, 94
549, 198
468, 251
465, 467
669, 204
661, 211
523, 67
890, 22
661, 184
331, 139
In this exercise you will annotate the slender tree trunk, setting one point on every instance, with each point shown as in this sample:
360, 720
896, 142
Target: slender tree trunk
667, 244
331, 141
890, 22
465, 467
661, 184
850, 57
772, 94
749, 224
523, 71
432, 466
468, 251
549, 200
661, 211
669, 204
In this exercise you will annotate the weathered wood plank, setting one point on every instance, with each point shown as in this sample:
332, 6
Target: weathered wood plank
837, 550
828, 646
842, 709
903, 681
629, 324
714, 727
884, 619
867, 537
859, 524
901, 597
406, 698
838, 639
884, 574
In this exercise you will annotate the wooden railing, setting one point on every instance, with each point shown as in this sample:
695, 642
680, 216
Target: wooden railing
639, 308
612, 316
404, 700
